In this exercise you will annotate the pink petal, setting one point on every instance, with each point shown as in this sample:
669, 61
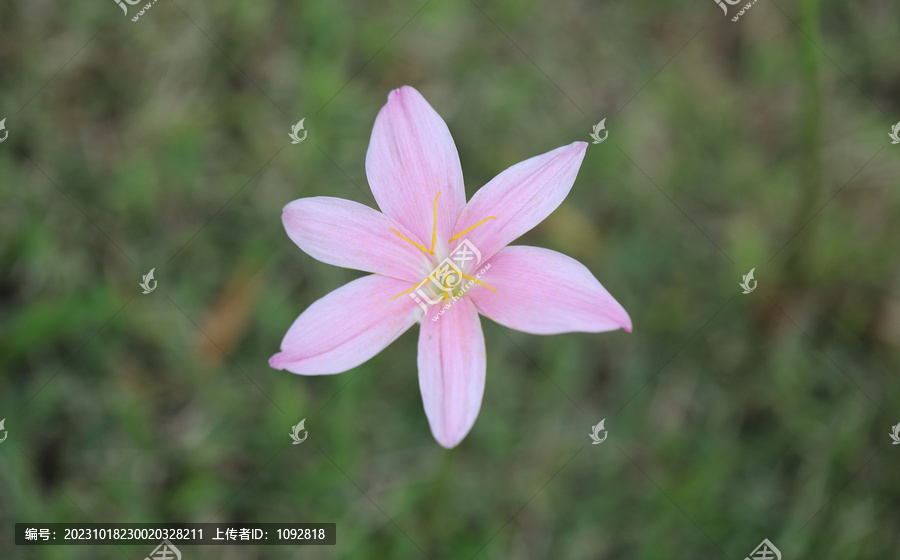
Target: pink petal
520, 198
540, 291
348, 234
452, 363
347, 327
411, 158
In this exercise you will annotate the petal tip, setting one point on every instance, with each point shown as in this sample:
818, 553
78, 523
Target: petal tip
402, 91
275, 362
448, 441
291, 211
574, 152
625, 320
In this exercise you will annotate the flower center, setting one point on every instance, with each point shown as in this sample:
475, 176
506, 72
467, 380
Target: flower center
448, 279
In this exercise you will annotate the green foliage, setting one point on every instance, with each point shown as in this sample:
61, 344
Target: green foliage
163, 143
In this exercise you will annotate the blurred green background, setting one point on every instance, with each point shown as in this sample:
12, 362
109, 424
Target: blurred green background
163, 143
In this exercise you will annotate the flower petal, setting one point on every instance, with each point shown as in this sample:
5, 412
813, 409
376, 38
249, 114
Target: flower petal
452, 364
349, 234
347, 327
540, 291
411, 158
519, 198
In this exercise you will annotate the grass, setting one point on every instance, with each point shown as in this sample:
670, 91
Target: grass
163, 144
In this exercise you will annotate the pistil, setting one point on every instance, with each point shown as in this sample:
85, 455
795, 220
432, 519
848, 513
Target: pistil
447, 290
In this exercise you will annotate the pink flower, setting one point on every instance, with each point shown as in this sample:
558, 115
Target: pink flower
415, 175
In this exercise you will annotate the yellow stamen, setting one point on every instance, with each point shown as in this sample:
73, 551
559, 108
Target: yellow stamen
406, 292
434, 229
411, 241
477, 281
419, 285
447, 289
467, 230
